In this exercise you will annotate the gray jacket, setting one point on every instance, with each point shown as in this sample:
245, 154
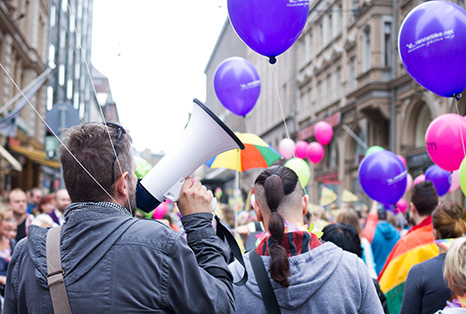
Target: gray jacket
114, 263
325, 279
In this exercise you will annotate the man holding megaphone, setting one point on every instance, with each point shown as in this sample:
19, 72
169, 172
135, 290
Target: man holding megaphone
105, 261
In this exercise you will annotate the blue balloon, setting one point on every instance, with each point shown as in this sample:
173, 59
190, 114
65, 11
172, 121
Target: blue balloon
432, 49
440, 178
237, 85
268, 27
383, 177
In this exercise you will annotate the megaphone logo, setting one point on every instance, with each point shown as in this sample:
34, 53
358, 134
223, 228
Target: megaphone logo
205, 136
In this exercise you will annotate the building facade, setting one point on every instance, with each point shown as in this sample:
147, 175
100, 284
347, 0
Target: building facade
343, 69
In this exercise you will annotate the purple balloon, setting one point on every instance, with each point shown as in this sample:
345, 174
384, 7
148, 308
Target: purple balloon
237, 85
432, 49
440, 178
268, 27
382, 176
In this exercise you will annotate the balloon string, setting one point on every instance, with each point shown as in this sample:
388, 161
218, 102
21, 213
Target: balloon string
280, 104
461, 130
284, 123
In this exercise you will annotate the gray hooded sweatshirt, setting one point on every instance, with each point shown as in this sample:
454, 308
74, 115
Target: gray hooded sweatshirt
325, 279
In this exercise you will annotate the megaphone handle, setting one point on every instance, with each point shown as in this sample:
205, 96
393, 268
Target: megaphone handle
174, 193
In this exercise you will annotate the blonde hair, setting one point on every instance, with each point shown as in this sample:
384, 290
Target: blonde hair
350, 217
455, 266
4, 208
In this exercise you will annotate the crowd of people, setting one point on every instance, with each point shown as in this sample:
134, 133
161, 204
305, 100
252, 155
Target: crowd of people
115, 259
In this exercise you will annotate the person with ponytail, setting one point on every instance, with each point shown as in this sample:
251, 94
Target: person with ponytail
306, 275
426, 291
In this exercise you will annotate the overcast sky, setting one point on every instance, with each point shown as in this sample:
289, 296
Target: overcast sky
154, 53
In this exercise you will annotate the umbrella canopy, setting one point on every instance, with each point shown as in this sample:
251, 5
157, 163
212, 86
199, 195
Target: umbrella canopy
256, 154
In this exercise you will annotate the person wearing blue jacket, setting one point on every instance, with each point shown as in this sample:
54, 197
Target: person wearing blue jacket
112, 262
385, 237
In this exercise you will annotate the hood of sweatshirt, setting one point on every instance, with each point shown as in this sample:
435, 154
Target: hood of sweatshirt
305, 280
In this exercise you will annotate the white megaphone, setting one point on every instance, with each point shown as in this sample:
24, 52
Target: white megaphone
204, 137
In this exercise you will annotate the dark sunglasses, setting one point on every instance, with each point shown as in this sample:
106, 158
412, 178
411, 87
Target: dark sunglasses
121, 131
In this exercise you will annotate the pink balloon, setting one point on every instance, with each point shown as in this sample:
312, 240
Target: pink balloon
301, 148
160, 210
323, 132
409, 184
315, 152
403, 160
445, 139
455, 181
419, 179
402, 205
286, 148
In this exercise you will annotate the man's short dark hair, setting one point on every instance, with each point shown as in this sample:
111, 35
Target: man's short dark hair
344, 236
90, 144
425, 197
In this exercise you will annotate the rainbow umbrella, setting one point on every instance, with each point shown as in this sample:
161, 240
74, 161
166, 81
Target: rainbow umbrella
256, 154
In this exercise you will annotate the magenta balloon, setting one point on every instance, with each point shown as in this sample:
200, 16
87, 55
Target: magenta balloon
403, 160
431, 42
237, 85
268, 27
455, 181
382, 176
286, 148
419, 179
445, 140
323, 132
301, 149
440, 178
160, 210
316, 152
402, 205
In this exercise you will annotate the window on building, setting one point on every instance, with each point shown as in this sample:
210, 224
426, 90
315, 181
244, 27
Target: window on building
330, 27
49, 98
338, 83
329, 92
387, 55
321, 36
61, 75
311, 47
51, 56
64, 5
319, 95
332, 155
340, 19
359, 151
62, 39
69, 89
352, 74
53, 13
76, 100
423, 121
309, 101
72, 23
366, 49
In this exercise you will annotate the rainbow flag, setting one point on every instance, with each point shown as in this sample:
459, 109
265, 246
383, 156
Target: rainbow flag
415, 247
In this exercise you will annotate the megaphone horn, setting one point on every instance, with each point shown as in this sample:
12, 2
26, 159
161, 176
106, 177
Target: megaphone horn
205, 136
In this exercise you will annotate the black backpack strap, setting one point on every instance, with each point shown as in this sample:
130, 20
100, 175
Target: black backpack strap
268, 295
224, 234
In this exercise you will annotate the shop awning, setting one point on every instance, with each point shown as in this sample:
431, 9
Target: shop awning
35, 155
12, 160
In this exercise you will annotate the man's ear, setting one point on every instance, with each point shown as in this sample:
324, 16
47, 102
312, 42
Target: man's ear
122, 186
413, 208
305, 203
257, 210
